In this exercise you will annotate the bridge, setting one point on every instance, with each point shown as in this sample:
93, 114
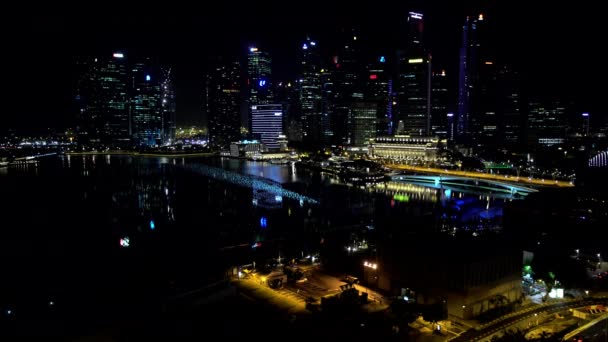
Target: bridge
485, 176
467, 184
599, 160
248, 181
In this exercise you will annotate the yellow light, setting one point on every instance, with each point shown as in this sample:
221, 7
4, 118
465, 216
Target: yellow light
415, 60
489, 63
264, 279
480, 16
322, 70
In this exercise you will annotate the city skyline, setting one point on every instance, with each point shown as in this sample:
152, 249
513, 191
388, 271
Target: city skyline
537, 42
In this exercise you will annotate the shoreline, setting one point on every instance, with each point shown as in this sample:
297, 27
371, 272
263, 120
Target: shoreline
138, 154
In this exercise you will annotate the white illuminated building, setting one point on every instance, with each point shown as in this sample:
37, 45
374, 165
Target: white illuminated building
267, 124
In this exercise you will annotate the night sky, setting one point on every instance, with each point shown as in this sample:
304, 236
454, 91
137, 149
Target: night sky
558, 47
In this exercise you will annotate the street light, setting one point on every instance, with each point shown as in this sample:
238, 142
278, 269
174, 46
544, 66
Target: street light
587, 292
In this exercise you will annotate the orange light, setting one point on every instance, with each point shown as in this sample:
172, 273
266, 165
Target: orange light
489, 63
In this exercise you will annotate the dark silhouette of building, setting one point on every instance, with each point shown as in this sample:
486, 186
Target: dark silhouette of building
223, 98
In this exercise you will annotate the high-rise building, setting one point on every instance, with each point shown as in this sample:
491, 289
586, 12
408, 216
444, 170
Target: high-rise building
311, 94
145, 103
119, 101
414, 83
415, 95
259, 77
476, 72
267, 124
585, 117
287, 93
451, 131
223, 98
362, 123
346, 70
511, 120
546, 123
168, 106
379, 89
439, 103
101, 93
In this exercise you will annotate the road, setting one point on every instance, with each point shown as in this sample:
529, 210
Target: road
480, 175
499, 325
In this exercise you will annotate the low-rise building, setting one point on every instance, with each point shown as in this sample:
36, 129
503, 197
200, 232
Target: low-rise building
404, 148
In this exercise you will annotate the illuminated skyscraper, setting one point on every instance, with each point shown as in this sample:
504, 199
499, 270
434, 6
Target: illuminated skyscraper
362, 123
310, 94
145, 104
119, 101
347, 86
439, 104
259, 76
267, 124
379, 89
223, 97
103, 100
168, 106
414, 83
475, 83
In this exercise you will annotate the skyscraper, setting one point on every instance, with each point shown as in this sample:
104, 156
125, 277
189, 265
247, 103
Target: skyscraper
310, 93
379, 89
119, 101
267, 124
362, 123
168, 106
511, 120
101, 92
439, 103
223, 98
347, 84
145, 103
414, 88
476, 73
259, 76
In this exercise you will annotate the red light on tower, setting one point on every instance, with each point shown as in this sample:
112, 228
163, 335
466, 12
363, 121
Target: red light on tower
373, 76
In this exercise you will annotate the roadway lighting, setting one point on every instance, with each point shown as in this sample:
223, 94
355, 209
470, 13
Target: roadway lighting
464, 306
587, 292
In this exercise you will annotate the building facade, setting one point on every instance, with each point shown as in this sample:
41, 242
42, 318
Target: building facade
223, 98
405, 149
414, 82
119, 101
145, 104
362, 123
267, 124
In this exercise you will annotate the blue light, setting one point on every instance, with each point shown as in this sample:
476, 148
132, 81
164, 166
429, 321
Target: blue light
263, 222
382, 59
262, 83
148, 78
152, 226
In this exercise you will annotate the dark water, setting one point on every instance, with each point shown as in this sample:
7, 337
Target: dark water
187, 221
